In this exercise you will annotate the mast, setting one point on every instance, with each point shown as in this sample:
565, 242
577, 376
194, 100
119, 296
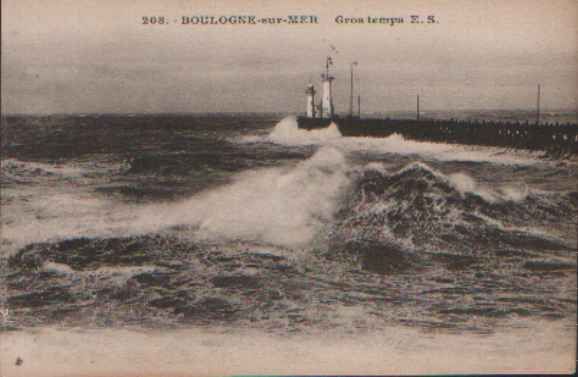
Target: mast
417, 110
351, 91
359, 107
351, 88
538, 106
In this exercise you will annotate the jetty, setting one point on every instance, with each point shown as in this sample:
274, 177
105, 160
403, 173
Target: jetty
555, 138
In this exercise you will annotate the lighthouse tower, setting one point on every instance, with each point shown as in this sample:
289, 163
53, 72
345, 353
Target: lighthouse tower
327, 102
327, 99
310, 91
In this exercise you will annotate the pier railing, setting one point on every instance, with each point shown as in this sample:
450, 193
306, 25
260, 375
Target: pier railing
555, 138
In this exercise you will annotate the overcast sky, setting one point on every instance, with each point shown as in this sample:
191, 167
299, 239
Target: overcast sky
96, 56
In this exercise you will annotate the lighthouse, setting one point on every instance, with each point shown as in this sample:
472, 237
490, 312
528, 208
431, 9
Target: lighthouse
324, 109
310, 91
327, 99
327, 102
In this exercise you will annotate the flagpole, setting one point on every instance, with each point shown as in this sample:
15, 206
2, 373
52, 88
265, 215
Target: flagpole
538, 106
351, 91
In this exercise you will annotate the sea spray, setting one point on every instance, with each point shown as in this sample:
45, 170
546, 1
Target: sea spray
287, 132
285, 206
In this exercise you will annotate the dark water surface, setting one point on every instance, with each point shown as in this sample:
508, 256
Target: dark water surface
245, 221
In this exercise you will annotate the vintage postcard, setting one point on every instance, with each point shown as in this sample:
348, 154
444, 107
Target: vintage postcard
213, 188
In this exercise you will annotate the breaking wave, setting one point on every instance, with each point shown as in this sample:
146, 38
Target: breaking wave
284, 206
291, 206
288, 133
420, 208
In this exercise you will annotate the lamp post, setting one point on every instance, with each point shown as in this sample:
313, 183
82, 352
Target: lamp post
351, 89
538, 105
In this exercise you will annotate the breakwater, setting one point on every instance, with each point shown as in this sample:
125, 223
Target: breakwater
555, 138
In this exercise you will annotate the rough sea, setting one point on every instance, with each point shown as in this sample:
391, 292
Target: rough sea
239, 243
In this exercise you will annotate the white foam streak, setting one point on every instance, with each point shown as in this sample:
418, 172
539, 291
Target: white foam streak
287, 132
465, 184
12, 166
397, 144
515, 194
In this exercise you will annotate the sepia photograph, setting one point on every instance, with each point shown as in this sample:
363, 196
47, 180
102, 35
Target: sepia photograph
197, 188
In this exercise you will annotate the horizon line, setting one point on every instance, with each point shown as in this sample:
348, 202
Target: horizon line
561, 109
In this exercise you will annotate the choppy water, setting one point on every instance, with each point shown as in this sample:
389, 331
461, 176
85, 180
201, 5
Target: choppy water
247, 222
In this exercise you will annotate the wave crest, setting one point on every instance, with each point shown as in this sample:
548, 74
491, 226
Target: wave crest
418, 206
